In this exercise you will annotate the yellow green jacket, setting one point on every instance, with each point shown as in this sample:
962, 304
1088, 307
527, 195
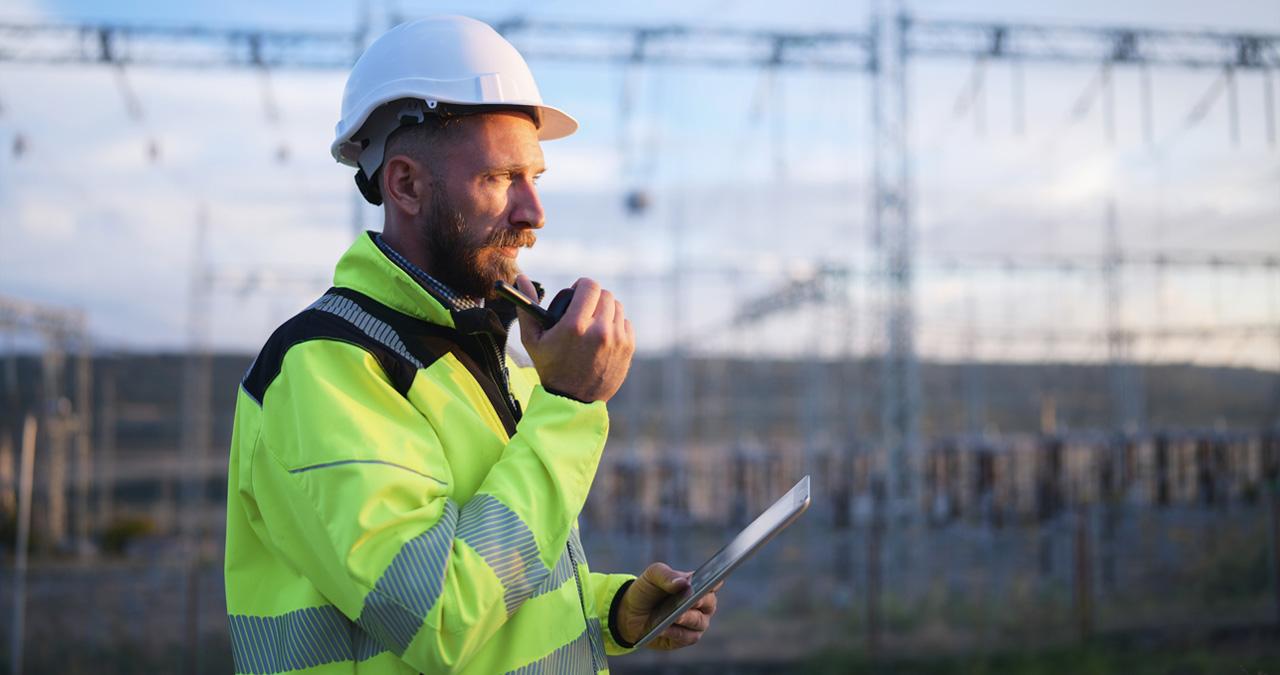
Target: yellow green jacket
391, 509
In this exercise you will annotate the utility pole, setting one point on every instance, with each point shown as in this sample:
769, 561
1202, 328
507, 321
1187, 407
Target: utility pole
25, 487
892, 484
674, 509
197, 401
56, 412
1126, 393
894, 239
106, 420
84, 446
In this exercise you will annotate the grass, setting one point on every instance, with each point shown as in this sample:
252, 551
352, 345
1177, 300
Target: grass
1237, 659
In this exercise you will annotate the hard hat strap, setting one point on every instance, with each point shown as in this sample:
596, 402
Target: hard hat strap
368, 187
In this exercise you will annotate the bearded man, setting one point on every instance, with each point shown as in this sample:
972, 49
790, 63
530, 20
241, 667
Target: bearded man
403, 498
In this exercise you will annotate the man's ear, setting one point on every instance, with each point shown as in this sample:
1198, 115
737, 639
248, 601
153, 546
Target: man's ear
406, 184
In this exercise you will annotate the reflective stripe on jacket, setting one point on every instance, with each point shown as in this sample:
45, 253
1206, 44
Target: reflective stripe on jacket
391, 509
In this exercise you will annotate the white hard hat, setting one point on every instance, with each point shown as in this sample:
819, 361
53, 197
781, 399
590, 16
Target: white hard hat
451, 60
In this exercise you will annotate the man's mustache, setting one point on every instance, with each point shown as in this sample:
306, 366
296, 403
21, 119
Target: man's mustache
515, 239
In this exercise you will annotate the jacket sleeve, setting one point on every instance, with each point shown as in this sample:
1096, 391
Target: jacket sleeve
604, 589
354, 491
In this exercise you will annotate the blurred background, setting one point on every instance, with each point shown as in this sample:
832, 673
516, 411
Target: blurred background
1004, 277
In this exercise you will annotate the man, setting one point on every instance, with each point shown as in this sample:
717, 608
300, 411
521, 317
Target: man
402, 497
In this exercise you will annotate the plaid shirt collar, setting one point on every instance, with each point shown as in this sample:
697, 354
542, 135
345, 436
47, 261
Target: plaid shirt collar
451, 300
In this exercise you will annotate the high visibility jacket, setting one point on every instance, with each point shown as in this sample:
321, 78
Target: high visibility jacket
394, 506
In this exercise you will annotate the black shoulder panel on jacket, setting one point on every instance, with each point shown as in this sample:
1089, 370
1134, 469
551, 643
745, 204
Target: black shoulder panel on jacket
342, 315
424, 342
402, 344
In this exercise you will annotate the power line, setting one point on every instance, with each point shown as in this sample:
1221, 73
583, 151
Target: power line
1090, 44
185, 46
1023, 262
1197, 332
203, 47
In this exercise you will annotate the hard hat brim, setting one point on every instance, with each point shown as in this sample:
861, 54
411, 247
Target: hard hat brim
554, 123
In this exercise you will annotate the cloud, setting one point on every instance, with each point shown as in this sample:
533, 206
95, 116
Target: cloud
48, 222
24, 10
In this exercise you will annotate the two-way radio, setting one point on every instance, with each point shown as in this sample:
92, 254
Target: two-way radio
547, 317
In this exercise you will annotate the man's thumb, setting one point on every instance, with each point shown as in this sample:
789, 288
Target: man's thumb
529, 324
530, 327
669, 580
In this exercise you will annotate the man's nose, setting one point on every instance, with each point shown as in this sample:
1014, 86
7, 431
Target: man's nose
526, 208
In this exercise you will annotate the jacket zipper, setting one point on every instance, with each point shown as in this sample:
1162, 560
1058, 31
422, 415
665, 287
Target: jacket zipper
500, 371
582, 603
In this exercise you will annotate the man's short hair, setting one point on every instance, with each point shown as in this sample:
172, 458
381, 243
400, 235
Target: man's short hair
421, 142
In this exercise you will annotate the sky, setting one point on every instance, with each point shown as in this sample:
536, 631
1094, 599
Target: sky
757, 180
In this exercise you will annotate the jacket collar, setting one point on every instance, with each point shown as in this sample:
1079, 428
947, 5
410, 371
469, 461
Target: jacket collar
447, 297
366, 269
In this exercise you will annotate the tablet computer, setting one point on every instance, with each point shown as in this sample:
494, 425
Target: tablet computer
762, 529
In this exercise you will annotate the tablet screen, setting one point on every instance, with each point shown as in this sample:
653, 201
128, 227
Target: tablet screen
777, 517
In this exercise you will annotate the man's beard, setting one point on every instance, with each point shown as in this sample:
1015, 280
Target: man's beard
468, 267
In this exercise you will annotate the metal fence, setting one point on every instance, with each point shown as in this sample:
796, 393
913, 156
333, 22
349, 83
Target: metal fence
947, 587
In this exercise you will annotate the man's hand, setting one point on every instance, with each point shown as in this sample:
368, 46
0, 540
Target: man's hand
637, 611
587, 353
